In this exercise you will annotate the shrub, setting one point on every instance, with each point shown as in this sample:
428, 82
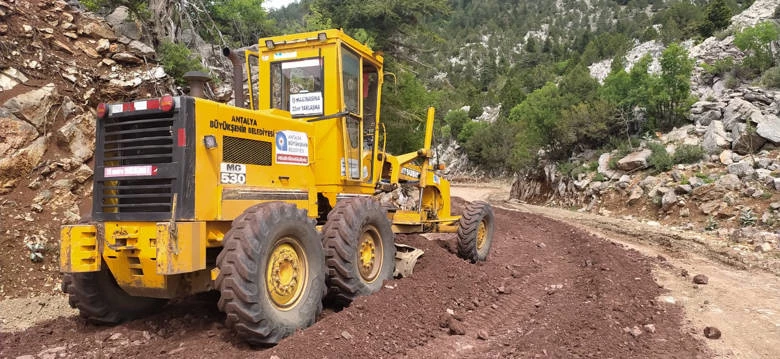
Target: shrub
771, 78
469, 129
720, 66
566, 168
747, 217
704, 177
599, 177
659, 159
688, 154
731, 82
177, 60
712, 224
612, 164
456, 120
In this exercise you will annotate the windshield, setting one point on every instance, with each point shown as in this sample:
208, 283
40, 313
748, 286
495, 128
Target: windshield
296, 86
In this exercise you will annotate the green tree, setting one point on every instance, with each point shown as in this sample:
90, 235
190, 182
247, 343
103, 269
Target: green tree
242, 21
578, 83
382, 20
537, 119
756, 41
718, 17
671, 94
456, 120
177, 60
586, 125
404, 108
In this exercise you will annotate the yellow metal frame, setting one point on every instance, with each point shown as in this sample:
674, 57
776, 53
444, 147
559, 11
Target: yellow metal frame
169, 259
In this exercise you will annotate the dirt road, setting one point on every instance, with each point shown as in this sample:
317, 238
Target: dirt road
742, 303
549, 289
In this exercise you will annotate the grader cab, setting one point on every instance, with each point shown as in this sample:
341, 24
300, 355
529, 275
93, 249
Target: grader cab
271, 204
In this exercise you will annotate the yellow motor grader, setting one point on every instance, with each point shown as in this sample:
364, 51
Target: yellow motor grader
272, 204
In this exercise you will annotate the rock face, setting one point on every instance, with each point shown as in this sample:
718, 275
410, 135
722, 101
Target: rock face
33, 106
770, 128
14, 133
716, 138
79, 135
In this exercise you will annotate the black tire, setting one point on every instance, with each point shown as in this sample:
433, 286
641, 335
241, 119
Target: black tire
475, 232
354, 231
101, 301
268, 248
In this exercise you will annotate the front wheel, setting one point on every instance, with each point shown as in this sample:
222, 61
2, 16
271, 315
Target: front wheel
359, 249
271, 277
475, 232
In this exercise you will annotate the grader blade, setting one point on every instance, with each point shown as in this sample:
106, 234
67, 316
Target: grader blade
405, 259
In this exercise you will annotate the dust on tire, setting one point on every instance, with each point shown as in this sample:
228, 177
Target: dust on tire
351, 220
475, 231
244, 260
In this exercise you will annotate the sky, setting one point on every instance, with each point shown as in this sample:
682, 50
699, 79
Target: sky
275, 4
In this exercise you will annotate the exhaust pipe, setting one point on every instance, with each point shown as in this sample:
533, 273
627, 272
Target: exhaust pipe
196, 80
238, 76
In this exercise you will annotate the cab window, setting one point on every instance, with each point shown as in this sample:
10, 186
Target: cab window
296, 86
350, 67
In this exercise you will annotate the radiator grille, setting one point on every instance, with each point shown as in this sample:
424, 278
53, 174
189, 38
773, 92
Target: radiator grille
138, 195
242, 150
137, 141
132, 141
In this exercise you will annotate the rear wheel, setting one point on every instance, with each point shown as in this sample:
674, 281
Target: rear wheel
272, 273
475, 232
100, 300
359, 249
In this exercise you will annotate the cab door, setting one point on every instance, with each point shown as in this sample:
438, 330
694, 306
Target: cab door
351, 165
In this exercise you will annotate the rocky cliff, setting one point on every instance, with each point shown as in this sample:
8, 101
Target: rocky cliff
56, 64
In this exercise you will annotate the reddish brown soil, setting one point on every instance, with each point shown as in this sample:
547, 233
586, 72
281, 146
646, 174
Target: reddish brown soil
565, 294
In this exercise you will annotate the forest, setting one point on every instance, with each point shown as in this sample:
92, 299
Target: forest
528, 58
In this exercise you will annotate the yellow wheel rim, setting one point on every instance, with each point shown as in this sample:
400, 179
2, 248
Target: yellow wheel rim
481, 235
370, 254
286, 273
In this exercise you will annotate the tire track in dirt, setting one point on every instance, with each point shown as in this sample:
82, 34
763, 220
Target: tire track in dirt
530, 254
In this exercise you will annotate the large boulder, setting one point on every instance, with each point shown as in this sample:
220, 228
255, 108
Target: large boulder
79, 136
769, 128
11, 77
740, 111
141, 49
23, 161
705, 118
123, 24
741, 169
604, 167
634, 160
97, 30
745, 139
716, 138
14, 133
33, 106
668, 200
730, 182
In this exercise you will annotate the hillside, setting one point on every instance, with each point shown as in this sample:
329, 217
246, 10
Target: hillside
520, 90
723, 180
56, 64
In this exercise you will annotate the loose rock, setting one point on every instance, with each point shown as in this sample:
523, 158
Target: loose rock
712, 333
